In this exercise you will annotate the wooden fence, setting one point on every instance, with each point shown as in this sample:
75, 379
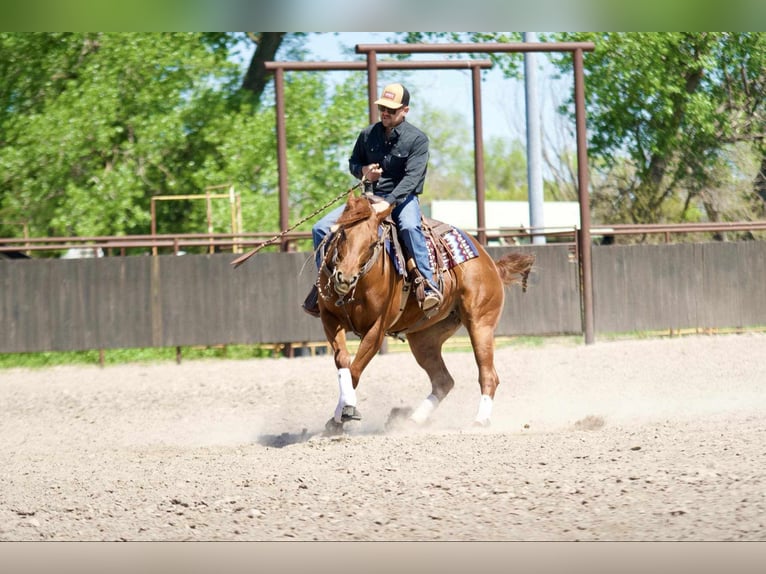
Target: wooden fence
171, 301
679, 286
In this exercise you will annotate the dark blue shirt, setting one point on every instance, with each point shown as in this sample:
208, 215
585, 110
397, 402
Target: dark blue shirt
403, 157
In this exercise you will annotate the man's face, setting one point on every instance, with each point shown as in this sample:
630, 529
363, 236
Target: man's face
391, 118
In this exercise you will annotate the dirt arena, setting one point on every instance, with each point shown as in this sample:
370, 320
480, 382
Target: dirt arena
659, 439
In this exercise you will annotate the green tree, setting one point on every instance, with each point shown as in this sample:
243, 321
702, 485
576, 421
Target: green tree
450, 163
104, 122
509, 62
92, 126
505, 170
676, 122
451, 172
665, 113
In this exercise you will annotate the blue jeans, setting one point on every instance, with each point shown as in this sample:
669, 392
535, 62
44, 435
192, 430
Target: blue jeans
406, 216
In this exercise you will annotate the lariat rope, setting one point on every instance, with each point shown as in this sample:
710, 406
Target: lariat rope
242, 258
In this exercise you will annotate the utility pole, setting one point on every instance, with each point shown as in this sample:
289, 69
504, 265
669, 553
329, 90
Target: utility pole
534, 147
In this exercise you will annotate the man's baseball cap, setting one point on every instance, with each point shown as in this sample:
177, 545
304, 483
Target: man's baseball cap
394, 96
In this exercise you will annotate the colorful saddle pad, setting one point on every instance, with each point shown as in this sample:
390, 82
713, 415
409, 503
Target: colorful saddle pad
448, 247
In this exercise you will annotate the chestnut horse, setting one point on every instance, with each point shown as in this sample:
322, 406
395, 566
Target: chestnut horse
361, 291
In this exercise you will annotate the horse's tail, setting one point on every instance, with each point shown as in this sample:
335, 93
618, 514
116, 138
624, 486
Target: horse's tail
514, 268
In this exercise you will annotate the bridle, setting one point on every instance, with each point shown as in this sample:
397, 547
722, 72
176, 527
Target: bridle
345, 289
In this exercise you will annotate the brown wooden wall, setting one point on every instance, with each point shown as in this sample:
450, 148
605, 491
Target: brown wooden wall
165, 301
679, 286
551, 305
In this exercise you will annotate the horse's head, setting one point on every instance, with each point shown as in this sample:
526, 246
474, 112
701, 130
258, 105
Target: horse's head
357, 242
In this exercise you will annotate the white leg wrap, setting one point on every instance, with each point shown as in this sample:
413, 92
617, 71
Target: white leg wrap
347, 392
485, 409
424, 410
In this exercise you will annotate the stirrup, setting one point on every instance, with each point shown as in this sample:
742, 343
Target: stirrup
432, 300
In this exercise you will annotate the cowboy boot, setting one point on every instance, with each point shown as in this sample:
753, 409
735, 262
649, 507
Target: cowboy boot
311, 304
428, 297
431, 299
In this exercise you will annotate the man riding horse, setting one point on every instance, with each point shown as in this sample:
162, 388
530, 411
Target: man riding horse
391, 158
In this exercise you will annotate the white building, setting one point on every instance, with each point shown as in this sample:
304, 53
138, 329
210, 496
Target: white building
502, 216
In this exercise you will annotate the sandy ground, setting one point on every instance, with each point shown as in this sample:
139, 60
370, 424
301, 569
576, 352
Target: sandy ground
629, 440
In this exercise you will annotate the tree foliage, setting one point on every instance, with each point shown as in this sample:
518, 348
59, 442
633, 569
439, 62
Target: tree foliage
509, 62
105, 122
676, 123
450, 163
674, 120
92, 126
451, 172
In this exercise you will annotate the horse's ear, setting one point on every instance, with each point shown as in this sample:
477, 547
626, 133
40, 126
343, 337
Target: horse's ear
357, 209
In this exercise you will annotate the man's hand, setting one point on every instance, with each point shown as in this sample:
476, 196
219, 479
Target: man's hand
372, 172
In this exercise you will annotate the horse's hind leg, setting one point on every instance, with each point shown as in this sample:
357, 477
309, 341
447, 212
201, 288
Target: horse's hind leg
426, 346
483, 342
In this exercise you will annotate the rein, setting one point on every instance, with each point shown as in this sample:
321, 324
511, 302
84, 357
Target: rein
242, 258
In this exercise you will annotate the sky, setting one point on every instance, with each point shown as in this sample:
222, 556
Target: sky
503, 100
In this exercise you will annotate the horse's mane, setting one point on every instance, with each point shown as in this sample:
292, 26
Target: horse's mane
357, 209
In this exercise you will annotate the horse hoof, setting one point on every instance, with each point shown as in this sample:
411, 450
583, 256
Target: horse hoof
333, 428
482, 424
350, 413
399, 418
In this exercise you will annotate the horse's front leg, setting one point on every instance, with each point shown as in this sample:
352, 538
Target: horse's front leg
350, 371
369, 346
345, 410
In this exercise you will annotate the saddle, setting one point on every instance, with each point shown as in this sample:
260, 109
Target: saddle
447, 245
